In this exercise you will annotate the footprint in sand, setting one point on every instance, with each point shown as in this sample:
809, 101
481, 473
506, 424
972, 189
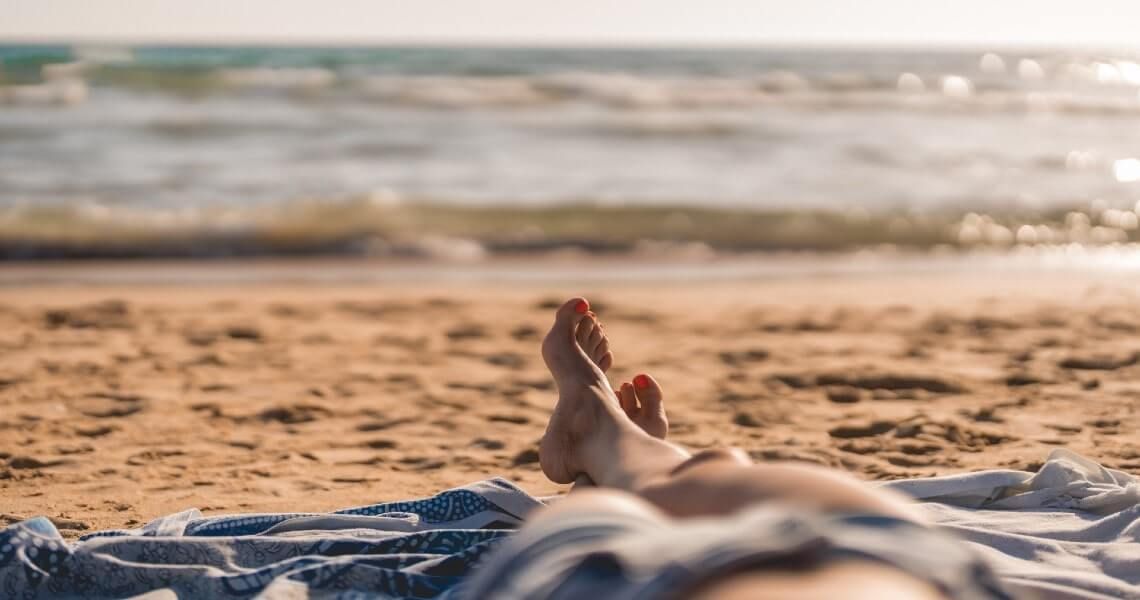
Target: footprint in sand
843, 394
966, 437
548, 304
66, 524
861, 446
744, 419
31, 462
108, 314
483, 388
152, 456
525, 332
289, 311
862, 429
1022, 378
1100, 362
380, 444
906, 460
466, 331
735, 358
790, 380
95, 431
199, 337
244, 332
77, 449
292, 414
510, 360
1105, 426
985, 414
817, 456
422, 463
110, 405
733, 397
513, 419
488, 444
920, 448
526, 457
893, 382
900, 386
383, 424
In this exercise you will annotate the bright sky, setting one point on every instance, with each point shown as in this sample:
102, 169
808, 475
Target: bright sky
1098, 23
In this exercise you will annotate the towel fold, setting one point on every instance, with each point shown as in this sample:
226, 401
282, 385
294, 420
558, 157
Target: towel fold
1069, 531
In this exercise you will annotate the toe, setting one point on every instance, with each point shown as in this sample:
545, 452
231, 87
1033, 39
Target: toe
596, 339
586, 329
628, 400
573, 310
560, 345
600, 350
606, 361
649, 394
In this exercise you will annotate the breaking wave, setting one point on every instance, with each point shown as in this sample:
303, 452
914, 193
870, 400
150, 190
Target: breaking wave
629, 80
385, 226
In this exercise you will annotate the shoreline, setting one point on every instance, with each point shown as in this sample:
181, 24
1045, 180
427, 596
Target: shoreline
572, 267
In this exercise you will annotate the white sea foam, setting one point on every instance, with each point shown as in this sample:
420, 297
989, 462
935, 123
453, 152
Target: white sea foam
57, 91
278, 78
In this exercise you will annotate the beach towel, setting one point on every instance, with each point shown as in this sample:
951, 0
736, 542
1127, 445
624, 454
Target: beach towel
419, 548
1070, 531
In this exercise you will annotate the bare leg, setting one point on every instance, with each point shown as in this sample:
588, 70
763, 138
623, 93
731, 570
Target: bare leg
599, 433
589, 433
643, 401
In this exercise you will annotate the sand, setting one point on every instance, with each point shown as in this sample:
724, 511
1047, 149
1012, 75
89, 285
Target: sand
122, 403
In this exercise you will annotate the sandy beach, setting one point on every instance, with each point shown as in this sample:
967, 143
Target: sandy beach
120, 403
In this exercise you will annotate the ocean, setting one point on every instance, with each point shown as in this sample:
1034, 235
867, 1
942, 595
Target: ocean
461, 152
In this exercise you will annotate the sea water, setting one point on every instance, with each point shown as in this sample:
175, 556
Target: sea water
225, 138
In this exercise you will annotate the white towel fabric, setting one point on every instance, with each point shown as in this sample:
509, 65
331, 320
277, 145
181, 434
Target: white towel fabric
1071, 531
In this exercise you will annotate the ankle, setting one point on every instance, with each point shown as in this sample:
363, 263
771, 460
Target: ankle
620, 455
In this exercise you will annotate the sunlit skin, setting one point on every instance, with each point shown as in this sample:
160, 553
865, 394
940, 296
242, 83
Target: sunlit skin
615, 439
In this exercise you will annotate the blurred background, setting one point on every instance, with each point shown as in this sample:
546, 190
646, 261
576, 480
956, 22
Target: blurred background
647, 131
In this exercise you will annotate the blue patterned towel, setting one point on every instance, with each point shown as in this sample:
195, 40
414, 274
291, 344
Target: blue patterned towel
415, 549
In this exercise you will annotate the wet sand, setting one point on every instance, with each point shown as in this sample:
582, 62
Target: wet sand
125, 402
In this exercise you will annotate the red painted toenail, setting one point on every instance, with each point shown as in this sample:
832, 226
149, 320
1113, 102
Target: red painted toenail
582, 307
641, 381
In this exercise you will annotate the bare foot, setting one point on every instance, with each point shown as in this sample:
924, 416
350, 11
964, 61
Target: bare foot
641, 399
643, 402
586, 405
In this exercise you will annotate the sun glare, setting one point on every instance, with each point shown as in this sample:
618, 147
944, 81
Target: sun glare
1126, 170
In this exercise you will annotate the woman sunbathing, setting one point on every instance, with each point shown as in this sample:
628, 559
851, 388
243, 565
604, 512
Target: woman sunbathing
665, 523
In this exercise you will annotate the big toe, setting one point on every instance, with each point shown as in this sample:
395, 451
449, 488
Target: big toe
572, 311
649, 394
560, 348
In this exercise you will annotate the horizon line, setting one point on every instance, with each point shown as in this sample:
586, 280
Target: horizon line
563, 44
